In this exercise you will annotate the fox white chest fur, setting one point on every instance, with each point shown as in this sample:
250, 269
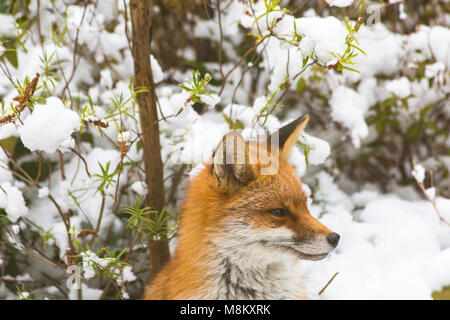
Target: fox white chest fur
245, 267
237, 279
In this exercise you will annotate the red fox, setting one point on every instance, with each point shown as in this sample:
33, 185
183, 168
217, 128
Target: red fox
242, 233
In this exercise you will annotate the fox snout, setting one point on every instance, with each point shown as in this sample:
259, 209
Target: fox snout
314, 247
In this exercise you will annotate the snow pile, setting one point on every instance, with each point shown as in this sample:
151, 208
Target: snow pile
49, 127
376, 61
12, 201
437, 272
93, 264
140, 188
87, 293
400, 87
389, 249
297, 41
157, 72
257, 17
348, 107
8, 25
418, 173
318, 149
327, 35
339, 3
312, 151
431, 43
5, 173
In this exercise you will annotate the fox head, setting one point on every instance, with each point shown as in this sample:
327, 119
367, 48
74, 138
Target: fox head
253, 202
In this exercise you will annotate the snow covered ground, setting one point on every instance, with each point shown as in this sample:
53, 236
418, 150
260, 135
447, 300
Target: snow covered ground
390, 248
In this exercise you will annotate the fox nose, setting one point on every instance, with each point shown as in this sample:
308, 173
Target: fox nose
333, 239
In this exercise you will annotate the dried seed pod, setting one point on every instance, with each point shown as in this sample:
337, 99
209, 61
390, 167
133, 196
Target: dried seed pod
23, 100
98, 122
123, 148
84, 233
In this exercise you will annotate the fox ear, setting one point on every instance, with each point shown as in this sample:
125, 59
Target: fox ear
231, 162
288, 136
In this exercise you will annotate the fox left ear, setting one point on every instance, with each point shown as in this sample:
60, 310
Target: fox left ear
288, 136
231, 162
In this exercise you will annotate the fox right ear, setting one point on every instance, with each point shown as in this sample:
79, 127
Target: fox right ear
289, 134
231, 162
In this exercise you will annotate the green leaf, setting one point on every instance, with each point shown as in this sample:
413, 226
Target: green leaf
414, 130
301, 85
11, 51
9, 143
350, 69
236, 125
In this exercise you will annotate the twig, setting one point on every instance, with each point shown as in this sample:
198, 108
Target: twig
328, 283
61, 165
219, 13
431, 200
82, 159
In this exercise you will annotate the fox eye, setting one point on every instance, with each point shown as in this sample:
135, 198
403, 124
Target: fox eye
279, 212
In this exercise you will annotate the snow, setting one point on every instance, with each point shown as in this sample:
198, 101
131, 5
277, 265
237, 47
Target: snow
91, 263
87, 293
348, 107
339, 3
210, 99
319, 149
8, 130
5, 173
140, 188
327, 34
43, 192
179, 101
389, 249
376, 61
15, 228
258, 9
400, 87
128, 275
54, 122
433, 70
418, 173
11, 199
431, 192
8, 25
106, 79
123, 136
439, 44
437, 273
157, 72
